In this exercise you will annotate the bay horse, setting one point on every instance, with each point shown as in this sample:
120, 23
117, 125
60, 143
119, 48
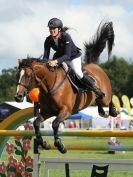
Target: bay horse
58, 97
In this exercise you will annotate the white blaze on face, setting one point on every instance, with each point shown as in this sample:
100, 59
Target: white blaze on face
21, 75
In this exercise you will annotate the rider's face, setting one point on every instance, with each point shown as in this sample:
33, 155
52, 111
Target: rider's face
54, 32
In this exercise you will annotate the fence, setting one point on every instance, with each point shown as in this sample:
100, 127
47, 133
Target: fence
79, 163
84, 164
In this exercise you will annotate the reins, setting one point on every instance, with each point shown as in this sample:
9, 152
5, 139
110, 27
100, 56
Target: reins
45, 86
43, 81
52, 90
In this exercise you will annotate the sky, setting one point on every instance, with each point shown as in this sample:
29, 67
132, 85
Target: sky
23, 25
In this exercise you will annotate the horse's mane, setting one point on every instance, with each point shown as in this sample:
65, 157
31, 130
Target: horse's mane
28, 61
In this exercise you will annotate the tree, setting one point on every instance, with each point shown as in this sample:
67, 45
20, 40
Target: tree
119, 72
7, 85
129, 86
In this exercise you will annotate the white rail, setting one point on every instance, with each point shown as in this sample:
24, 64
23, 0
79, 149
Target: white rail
84, 164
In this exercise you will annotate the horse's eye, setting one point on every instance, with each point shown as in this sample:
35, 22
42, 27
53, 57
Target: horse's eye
28, 76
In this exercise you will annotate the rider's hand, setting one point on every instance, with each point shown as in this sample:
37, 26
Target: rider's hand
53, 63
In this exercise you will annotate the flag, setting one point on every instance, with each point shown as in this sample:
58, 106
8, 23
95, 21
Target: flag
126, 103
116, 102
131, 101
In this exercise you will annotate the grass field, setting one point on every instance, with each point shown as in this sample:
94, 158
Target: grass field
85, 154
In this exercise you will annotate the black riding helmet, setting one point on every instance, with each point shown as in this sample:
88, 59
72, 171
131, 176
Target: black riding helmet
55, 23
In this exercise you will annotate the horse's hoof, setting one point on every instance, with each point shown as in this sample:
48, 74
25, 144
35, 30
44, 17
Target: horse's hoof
63, 150
46, 145
60, 146
43, 144
113, 113
104, 115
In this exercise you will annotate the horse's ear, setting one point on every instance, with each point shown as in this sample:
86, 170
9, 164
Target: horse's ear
19, 61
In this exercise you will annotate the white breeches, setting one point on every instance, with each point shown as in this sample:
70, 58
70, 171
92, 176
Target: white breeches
76, 65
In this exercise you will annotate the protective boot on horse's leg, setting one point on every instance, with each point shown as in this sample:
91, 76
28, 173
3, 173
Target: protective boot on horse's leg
64, 114
90, 84
112, 110
57, 140
101, 111
39, 138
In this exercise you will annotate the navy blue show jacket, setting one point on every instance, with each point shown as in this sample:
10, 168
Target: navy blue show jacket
65, 51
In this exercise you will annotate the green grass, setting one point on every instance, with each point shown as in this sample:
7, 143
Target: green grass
86, 173
85, 154
88, 154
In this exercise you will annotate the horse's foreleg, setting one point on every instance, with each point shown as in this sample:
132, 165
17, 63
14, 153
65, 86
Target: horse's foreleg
64, 114
39, 138
57, 140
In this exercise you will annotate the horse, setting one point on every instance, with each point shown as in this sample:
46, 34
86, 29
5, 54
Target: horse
58, 96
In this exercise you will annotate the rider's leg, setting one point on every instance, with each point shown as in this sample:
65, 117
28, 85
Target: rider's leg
87, 81
76, 65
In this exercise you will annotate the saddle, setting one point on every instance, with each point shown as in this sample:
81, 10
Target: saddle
74, 79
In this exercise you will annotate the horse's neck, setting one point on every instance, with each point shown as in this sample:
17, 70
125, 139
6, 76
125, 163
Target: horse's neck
45, 75
40, 69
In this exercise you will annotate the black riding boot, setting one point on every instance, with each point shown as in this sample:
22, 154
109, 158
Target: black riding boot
90, 84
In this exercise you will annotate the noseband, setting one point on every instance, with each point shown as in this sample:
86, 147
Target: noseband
26, 87
30, 78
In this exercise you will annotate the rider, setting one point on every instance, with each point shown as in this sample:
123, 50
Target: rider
66, 51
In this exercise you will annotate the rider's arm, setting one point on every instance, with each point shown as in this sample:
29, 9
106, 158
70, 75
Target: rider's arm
46, 50
67, 48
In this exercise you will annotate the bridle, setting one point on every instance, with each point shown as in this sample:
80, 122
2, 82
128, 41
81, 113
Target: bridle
42, 82
26, 87
30, 78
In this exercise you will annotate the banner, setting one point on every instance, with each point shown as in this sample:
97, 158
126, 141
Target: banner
116, 102
126, 103
131, 101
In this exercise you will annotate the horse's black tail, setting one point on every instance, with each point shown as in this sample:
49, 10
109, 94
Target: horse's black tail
104, 35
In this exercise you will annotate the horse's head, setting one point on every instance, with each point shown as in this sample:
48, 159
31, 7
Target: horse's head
33, 72
25, 79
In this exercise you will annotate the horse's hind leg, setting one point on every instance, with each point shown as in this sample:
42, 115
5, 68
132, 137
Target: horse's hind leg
64, 114
112, 110
39, 138
101, 111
